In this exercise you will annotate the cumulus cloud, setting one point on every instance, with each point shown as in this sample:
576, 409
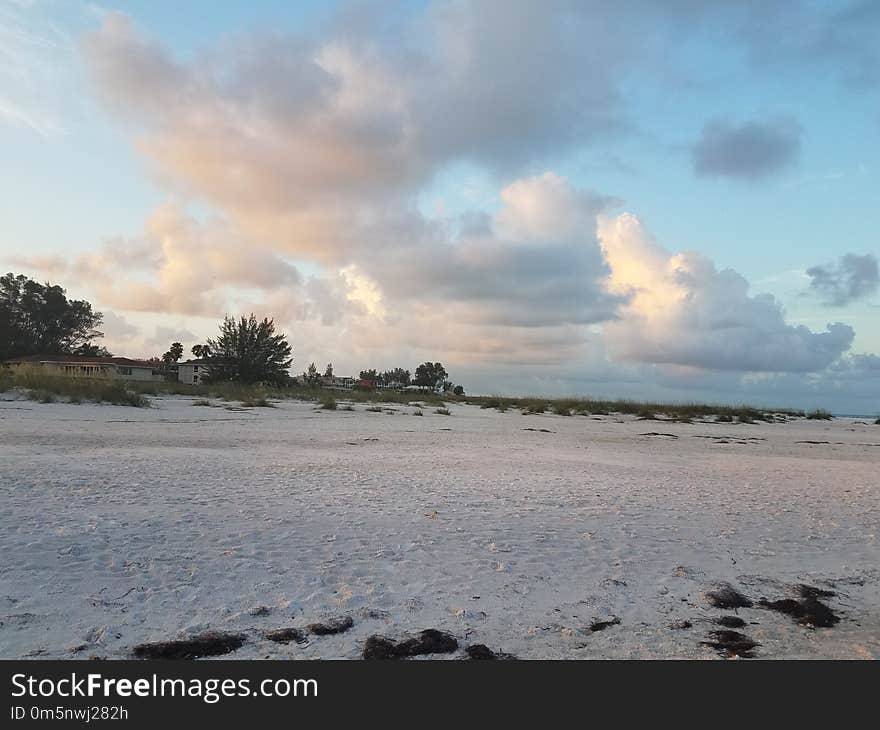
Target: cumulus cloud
683, 311
750, 150
178, 265
314, 151
535, 262
853, 277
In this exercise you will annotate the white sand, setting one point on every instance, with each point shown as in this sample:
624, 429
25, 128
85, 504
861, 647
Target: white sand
121, 525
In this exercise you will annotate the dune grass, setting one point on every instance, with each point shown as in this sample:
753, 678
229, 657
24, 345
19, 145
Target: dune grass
258, 401
54, 389
680, 412
820, 414
39, 386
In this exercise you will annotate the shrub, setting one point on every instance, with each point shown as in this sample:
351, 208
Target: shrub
418, 413
258, 402
820, 414
724, 418
328, 402
561, 409
201, 402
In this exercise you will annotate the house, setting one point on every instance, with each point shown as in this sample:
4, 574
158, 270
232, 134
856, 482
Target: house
337, 383
192, 372
81, 366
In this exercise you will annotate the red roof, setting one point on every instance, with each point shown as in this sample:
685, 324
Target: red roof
84, 360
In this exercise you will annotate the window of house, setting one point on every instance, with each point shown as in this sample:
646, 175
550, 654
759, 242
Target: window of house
195, 368
125, 371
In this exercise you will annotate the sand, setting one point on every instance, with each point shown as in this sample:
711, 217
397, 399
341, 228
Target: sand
121, 525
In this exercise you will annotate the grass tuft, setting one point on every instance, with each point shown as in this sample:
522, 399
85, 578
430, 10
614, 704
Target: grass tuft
257, 402
820, 414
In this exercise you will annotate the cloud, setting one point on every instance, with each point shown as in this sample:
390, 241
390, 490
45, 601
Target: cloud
685, 312
164, 336
177, 265
301, 141
853, 277
535, 262
751, 150
117, 328
314, 152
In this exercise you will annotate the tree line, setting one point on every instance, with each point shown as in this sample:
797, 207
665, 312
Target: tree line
39, 319
431, 375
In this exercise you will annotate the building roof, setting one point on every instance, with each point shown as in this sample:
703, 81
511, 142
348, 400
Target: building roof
200, 361
83, 360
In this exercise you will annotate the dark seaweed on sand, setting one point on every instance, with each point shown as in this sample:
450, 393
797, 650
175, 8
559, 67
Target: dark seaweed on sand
429, 641
211, 643
809, 610
726, 596
333, 626
732, 643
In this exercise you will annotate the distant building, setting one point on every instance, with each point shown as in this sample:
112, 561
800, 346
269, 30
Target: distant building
192, 372
336, 383
80, 366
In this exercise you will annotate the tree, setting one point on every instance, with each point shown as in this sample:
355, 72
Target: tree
249, 351
200, 351
311, 376
175, 352
458, 390
396, 378
328, 371
430, 375
39, 319
370, 376
92, 350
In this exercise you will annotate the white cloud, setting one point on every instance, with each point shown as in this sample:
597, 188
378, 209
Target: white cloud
684, 311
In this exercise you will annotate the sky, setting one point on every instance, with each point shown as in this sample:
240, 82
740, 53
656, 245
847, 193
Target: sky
669, 200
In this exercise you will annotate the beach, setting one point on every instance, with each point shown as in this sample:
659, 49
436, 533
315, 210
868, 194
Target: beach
539, 536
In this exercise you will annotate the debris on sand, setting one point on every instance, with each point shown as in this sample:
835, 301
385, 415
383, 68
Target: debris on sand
482, 652
333, 626
539, 430
378, 647
429, 641
809, 611
655, 433
732, 643
726, 596
260, 611
813, 592
285, 636
602, 625
210, 643
730, 622
681, 625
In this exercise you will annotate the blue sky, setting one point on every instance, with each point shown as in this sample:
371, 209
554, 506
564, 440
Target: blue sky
317, 139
